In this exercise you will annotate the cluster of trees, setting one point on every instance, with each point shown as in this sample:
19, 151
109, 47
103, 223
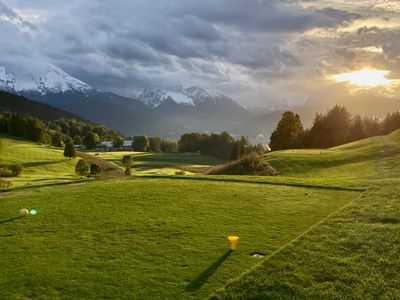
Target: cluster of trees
222, 145
143, 143
86, 134
333, 128
57, 132
82, 168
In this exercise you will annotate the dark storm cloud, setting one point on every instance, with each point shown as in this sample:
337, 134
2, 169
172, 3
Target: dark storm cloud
125, 45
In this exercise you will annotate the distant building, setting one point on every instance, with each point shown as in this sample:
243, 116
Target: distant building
105, 146
127, 145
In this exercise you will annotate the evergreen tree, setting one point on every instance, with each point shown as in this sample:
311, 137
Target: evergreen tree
236, 151
69, 150
141, 143
288, 132
155, 144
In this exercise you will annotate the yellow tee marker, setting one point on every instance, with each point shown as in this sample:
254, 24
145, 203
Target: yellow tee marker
233, 241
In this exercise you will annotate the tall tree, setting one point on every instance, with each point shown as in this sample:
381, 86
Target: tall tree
288, 132
118, 142
91, 139
141, 143
155, 144
69, 150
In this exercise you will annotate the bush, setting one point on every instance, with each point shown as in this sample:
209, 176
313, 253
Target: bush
81, 167
4, 184
95, 169
252, 164
16, 170
180, 173
127, 160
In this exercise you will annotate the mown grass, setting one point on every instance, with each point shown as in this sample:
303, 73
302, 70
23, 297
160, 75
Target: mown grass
147, 238
42, 164
161, 163
164, 237
369, 159
354, 254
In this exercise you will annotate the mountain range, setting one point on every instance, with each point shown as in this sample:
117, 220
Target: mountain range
169, 112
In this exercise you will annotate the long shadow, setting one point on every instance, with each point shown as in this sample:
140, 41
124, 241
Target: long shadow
12, 219
41, 163
205, 275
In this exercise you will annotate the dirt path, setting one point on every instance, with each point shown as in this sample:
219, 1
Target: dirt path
109, 169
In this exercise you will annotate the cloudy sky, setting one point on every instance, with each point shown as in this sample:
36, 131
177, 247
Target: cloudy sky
255, 51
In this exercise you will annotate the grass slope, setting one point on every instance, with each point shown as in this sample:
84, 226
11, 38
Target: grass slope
146, 238
161, 163
352, 255
42, 164
368, 159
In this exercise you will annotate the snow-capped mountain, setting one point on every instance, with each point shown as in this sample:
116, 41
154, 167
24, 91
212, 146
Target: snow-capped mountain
50, 79
188, 96
6, 80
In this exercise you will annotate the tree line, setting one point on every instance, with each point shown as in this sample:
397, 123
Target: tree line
58, 132
337, 126
222, 145
63, 132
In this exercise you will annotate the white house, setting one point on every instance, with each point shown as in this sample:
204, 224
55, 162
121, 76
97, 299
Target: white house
127, 145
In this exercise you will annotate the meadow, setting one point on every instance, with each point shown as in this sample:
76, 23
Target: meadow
42, 164
161, 163
328, 227
147, 238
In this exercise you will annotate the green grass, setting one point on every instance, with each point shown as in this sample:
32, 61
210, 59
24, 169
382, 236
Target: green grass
161, 163
354, 254
369, 159
329, 226
147, 238
42, 164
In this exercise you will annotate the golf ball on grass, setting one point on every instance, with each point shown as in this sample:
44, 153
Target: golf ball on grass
24, 212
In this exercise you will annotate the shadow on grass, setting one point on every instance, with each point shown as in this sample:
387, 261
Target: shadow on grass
205, 275
42, 163
12, 219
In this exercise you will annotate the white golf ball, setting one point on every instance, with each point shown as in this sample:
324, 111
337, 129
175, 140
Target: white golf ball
24, 212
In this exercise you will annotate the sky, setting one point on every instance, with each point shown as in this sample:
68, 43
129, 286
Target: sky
257, 52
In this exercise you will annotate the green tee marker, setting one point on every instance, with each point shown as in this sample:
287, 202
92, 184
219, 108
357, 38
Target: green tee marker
33, 211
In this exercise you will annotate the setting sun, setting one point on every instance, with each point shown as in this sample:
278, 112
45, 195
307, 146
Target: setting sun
365, 78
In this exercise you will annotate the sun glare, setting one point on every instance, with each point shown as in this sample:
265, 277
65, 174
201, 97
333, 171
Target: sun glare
365, 78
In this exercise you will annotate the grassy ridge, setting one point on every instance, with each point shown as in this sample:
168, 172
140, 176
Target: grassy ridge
369, 159
352, 255
146, 238
42, 164
355, 253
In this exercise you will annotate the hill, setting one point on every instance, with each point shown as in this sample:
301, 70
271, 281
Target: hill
18, 104
144, 238
367, 159
42, 164
354, 252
